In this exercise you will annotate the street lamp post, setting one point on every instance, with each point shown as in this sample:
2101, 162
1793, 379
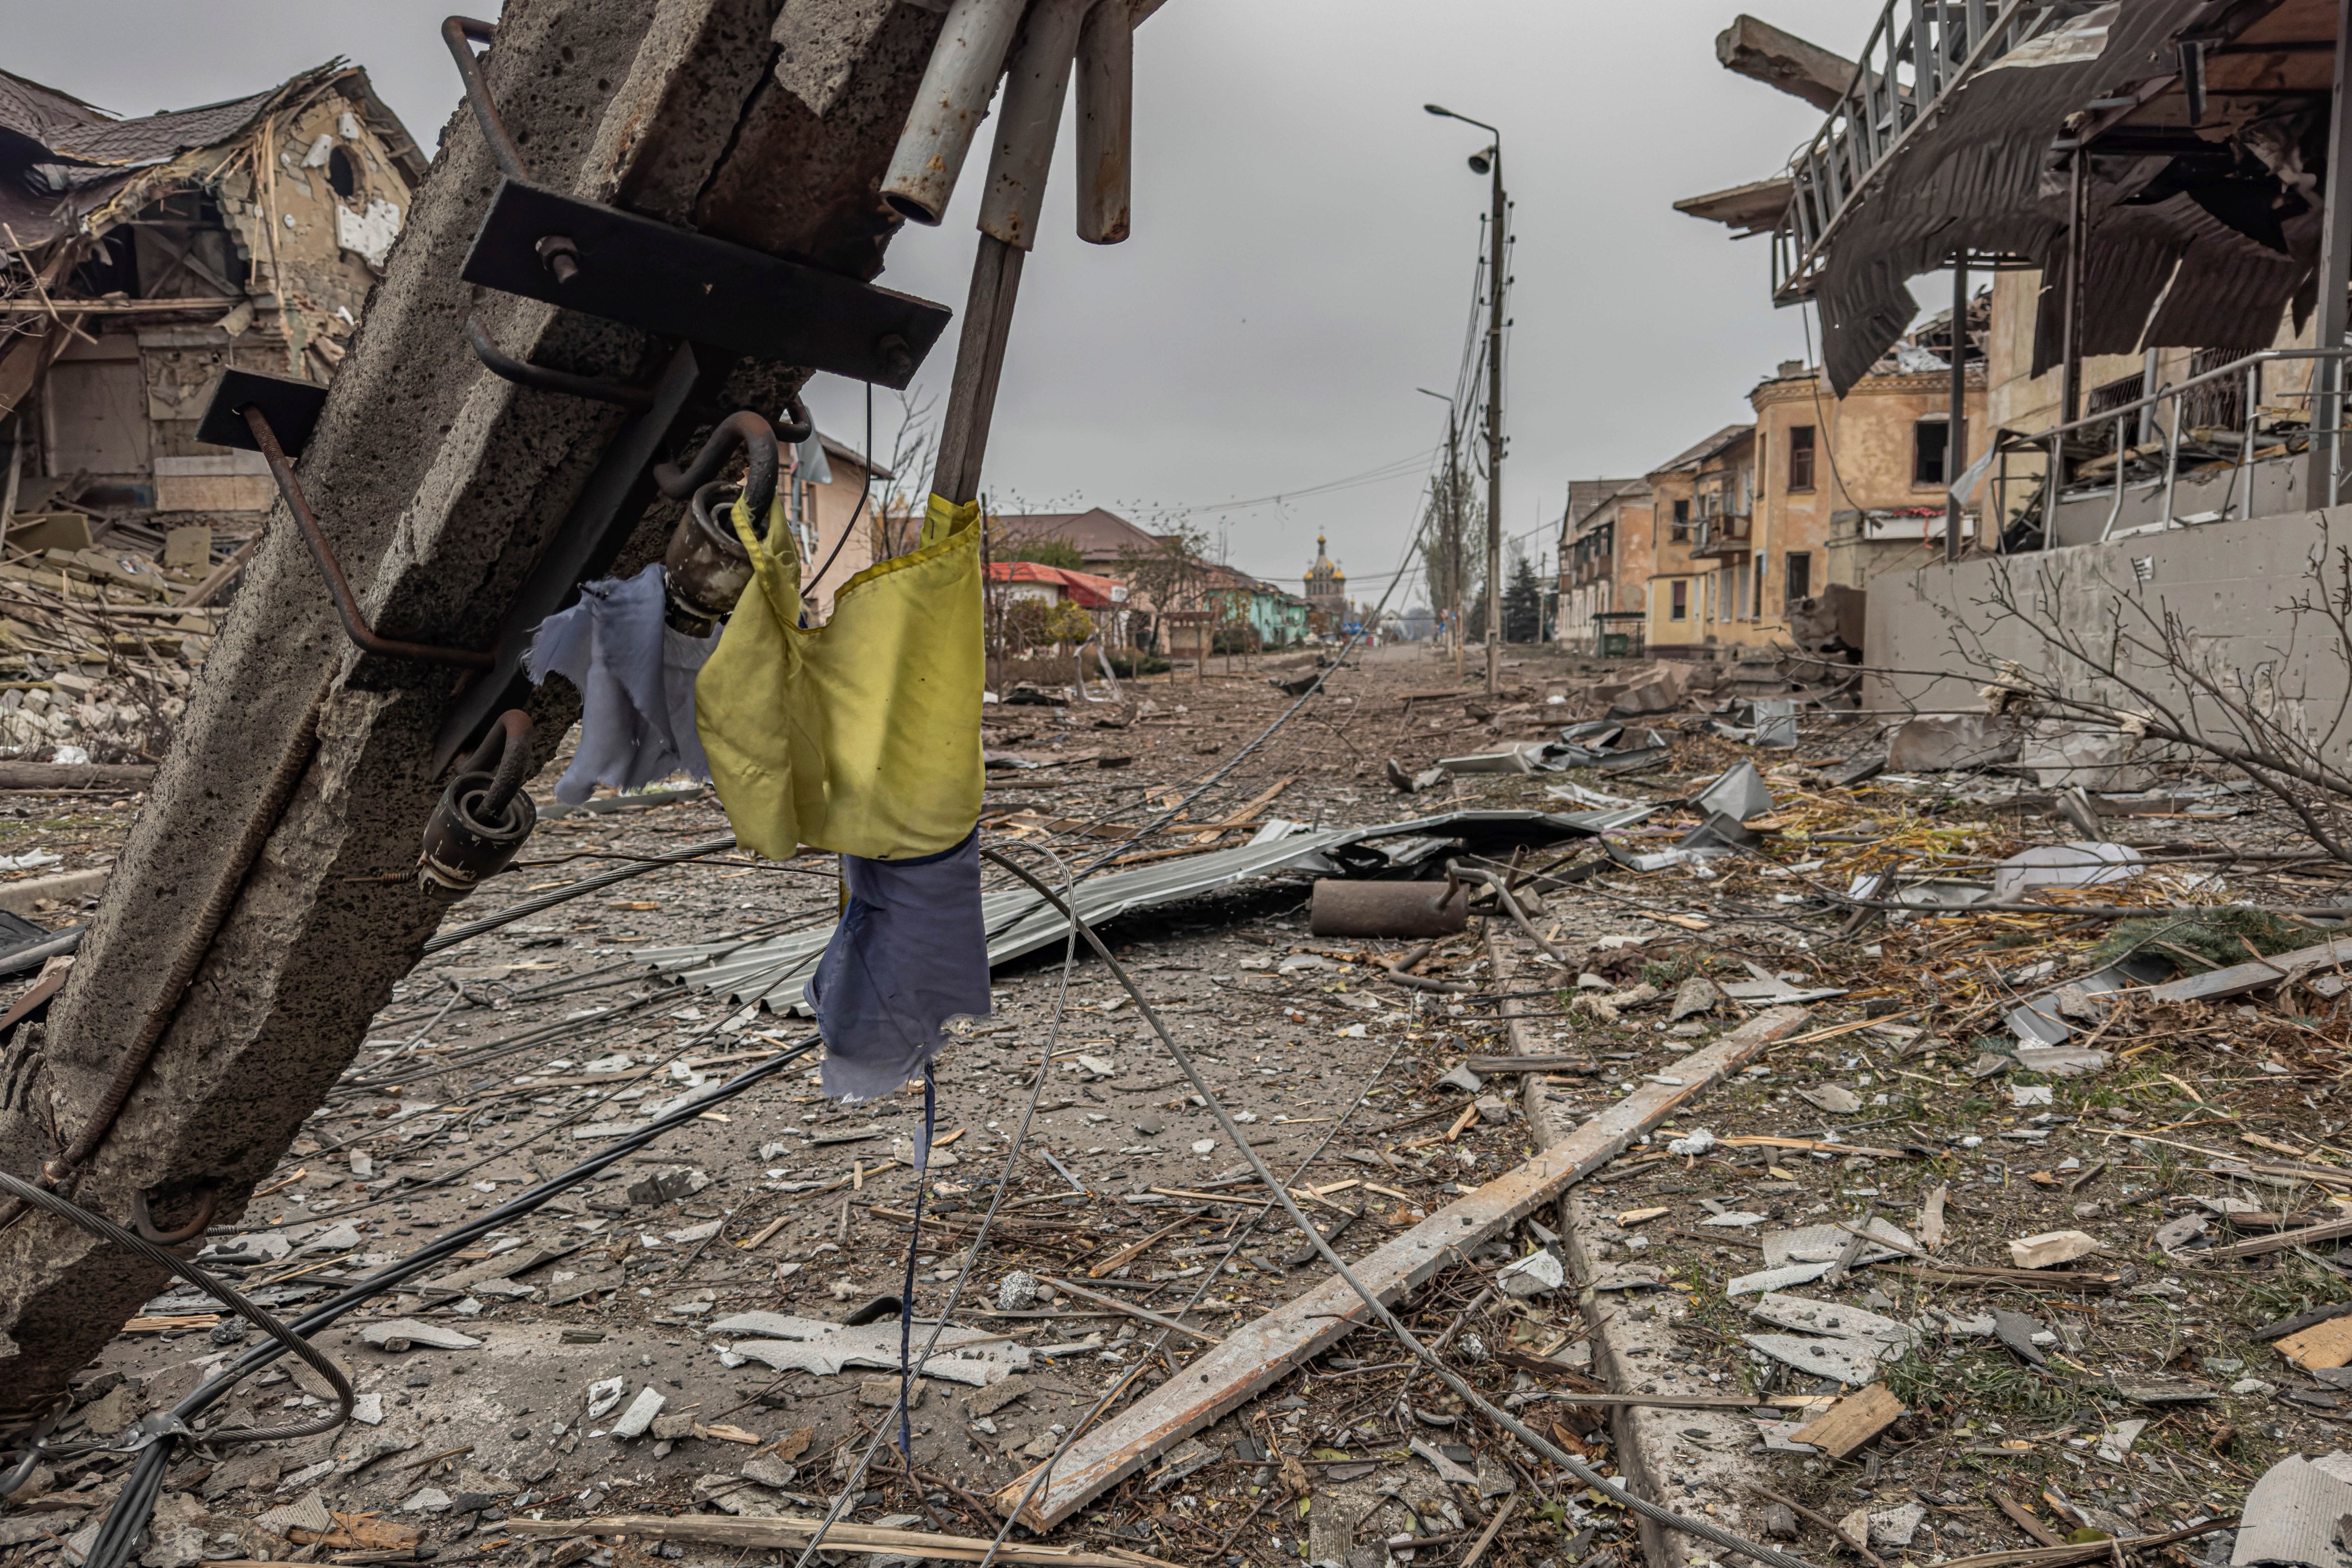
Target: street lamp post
1490, 162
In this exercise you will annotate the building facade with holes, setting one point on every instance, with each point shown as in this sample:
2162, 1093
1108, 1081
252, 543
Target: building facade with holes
148, 254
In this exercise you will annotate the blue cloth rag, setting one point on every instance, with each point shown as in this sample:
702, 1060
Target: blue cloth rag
636, 677
909, 954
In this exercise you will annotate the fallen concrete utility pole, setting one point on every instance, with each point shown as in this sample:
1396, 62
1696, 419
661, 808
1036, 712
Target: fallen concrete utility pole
260, 914
1260, 1354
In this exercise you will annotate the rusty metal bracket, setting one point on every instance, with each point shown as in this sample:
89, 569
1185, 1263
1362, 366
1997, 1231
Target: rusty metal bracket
522, 373
347, 605
142, 1219
674, 283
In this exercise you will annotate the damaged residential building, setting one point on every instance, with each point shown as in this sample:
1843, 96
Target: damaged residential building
145, 255
2147, 190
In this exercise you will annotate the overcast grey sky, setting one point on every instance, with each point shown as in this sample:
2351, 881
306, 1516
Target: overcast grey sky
1303, 250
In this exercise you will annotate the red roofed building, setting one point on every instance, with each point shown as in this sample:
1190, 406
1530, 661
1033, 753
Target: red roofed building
1014, 581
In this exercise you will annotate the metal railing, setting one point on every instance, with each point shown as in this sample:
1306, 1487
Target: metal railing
2143, 415
1918, 51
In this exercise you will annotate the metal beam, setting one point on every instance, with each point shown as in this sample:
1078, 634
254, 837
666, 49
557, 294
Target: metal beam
2335, 272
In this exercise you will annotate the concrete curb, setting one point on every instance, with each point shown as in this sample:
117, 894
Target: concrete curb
69, 887
1693, 1461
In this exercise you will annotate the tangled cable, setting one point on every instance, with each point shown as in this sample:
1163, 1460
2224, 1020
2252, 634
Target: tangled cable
162, 1433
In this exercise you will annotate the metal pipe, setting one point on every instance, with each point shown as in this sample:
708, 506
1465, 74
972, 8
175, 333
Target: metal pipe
1036, 81
1956, 427
2334, 265
2116, 510
2246, 443
2070, 361
1106, 122
339, 588
951, 103
2171, 460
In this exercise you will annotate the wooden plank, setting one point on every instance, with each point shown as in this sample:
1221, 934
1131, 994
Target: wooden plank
1850, 1421
772, 1533
2243, 977
1240, 817
1262, 1352
2278, 1240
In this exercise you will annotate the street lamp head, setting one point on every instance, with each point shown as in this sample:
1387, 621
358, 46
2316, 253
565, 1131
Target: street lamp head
1479, 163
1440, 111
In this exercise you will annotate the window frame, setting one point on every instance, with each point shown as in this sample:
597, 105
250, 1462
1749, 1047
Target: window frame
1919, 427
1793, 563
1803, 441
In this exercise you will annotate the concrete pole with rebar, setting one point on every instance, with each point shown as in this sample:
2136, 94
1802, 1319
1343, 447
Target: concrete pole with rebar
1495, 250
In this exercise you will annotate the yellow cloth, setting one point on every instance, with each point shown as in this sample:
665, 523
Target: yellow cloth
862, 736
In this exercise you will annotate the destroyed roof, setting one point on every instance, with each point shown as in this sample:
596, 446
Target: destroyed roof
1094, 533
72, 131
1722, 440
2164, 271
53, 144
1586, 497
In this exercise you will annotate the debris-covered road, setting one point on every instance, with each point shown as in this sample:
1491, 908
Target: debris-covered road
2067, 1318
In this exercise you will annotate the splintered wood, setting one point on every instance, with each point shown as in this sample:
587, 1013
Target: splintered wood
1851, 1422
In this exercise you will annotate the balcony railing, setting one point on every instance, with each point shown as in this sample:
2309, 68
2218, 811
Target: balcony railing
1918, 51
2137, 435
1722, 535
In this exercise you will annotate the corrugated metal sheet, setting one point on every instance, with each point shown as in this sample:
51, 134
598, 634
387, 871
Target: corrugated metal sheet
1976, 178
773, 972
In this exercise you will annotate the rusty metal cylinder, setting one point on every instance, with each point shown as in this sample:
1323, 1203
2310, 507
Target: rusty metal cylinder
1036, 81
958, 82
1388, 908
1106, 112
705, 568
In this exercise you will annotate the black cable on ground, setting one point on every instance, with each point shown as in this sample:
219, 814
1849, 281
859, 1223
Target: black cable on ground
508, 916
135, 1503
1712, 1533
130, 1241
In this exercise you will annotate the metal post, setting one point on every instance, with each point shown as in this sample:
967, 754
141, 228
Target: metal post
1106, 116
2070, 366
1956, 436
1495, 427
958, 81
2334, 265
1454, 530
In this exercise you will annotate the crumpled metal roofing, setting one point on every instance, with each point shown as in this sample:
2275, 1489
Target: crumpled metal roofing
772, 973
1975, 177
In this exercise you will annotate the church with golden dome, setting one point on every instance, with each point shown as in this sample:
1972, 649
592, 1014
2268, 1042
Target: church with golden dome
1327, 589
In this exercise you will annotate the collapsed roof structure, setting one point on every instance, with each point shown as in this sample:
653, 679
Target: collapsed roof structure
144, 253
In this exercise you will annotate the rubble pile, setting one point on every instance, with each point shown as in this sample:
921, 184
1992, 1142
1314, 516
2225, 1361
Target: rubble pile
1977, 1194
100, 643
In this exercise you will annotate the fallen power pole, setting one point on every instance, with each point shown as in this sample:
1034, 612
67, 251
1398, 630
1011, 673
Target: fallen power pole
619, 159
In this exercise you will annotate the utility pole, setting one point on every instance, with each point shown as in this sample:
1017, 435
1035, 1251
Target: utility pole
1451, 523
1490, 163
1495, 429
305, 767
1454, 530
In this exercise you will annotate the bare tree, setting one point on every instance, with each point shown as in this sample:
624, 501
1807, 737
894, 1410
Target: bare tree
1171, 574
2057, 640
